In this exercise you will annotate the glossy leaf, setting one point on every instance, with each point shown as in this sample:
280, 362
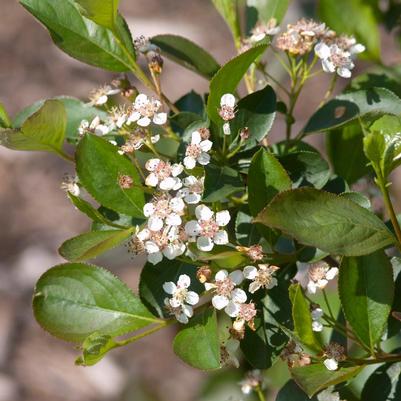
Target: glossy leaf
82, 38
220, 182
154, 276
76, 112
266, 178
350, 106
197, 343
394, 325
228, 77
187, 53
353, 17
316, 377
43, 130
99, 167
306, 169
89, 245
268, 9
94, 348
245, 231
256, 112
94, 214
292, 392
302, 318
384, 384
366, 291
345, 150
103, 12
228, 10
74, 300
358, 198
328, 222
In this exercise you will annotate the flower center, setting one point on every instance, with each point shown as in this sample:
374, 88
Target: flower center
193, 151
209, 228
225, 287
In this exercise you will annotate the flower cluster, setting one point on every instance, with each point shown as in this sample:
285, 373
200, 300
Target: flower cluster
227, 111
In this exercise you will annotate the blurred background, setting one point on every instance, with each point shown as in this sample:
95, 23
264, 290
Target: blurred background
36, 216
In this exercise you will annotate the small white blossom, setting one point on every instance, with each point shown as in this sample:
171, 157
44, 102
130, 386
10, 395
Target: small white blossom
70, 184
100, 96
262, 30
163, 175
253, 379
334, 353
320, 274
145, 111
227, 111
207, 229
335, 59
227, 296
95, 127
261, 277
197, 151
182, 299
328, 394
316, 314
192, 190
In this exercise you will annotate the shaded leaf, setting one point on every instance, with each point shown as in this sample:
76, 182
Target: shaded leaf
228, 10
268, 9
245, 231
366, 291
5, 121
197, 343
94, 348
328, 222
187, 53
99, 167
292, 392
73, 300
350, 106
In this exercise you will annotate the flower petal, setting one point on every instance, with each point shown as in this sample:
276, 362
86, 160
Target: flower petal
204, 244
220, 238
232, 309
223, 218
189, 162
237, 277
160, 118
196, 138
250, 272
238, 295
227, 100
219, 301
192, 228
192, 298
155, 223
155, 258
169, 287
331, 364
184, 281
202, 212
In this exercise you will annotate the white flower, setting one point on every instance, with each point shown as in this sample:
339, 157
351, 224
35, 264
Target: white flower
168, 242
320, 274
244, 313
70, 184
182, 299
99, 96
192, 190
262, 30
261, 277
163, 174
335, 59
226, 296
182, 313
207, 229
145, 111
316, 314
334, 353
331, 364
197, 151
95, 127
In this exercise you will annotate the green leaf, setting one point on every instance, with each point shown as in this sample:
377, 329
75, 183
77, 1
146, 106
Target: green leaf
352, 105
306, 169
266, 178
358, 198
302, 318
345, 150
154, 276
99, 167
394, 325
262, 347
103, 12
228, 10
73, 300
221, 182
76, 112
245, 231
228, 77
187, 53
382, 145
366, 291
94, 348
43, 130
328, 222
114, 220
5, 121
82, 38
316, 377
292, 392
268, 9
89, 245
94, 214
256, 112
197, 343
384, 384
353, 17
